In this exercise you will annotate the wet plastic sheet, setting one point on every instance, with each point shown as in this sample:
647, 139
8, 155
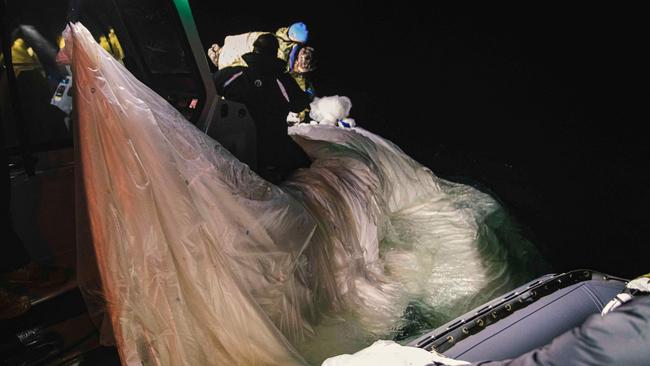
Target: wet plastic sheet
428, 246
203, 262
391, 353
190, 244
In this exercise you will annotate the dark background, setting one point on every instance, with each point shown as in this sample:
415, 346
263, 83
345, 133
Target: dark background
532, 104
537, 105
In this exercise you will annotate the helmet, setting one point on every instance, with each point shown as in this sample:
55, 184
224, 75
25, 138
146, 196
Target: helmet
298, 32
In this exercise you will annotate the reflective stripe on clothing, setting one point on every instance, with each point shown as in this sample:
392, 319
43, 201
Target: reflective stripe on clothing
232, 78
283, 90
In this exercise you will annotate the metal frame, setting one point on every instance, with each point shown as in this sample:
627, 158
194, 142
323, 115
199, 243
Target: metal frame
192, 34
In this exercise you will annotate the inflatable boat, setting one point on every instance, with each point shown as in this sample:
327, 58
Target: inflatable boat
524, 319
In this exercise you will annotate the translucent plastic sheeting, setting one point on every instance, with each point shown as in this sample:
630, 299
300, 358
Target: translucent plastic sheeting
391, 353
203, 262
432, 249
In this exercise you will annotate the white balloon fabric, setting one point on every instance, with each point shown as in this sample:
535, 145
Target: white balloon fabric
202, 262
389, 353
331, 110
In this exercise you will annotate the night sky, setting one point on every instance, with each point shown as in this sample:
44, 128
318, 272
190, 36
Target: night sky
532, 104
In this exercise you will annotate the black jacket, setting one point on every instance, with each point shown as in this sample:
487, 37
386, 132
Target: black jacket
269, 94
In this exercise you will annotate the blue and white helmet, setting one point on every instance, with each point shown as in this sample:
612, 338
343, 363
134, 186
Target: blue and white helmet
298, 32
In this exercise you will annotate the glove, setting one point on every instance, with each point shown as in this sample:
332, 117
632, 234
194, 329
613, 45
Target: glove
638, 286
213, 54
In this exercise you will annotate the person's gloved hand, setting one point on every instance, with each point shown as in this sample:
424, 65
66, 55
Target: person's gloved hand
293, 118
213, 54
639, 285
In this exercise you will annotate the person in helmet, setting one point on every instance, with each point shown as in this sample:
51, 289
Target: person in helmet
290, 40
292, 49
299, 57
270, 94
